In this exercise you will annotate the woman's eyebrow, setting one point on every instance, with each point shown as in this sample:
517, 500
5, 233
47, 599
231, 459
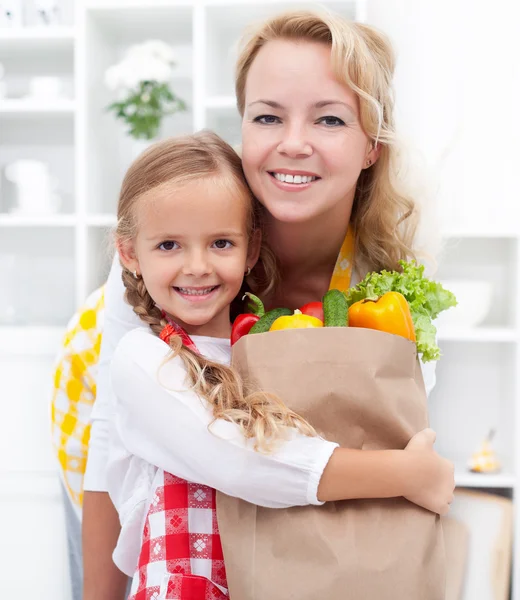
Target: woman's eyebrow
323, 103
320, 104
270, 103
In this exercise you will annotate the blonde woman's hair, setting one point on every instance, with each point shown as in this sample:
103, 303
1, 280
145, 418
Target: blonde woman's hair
384, 217
166, 165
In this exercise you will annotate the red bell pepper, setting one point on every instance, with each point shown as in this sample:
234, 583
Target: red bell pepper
313, 309
243, 323
242, 326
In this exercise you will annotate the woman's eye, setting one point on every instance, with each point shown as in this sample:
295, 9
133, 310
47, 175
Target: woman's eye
222, 244
266, 119
331, 121
166, 246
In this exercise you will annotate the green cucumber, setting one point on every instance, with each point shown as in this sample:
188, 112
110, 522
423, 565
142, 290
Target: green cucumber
254, 304
335, 309
265, 322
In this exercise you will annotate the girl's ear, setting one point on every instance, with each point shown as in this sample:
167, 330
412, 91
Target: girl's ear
253, 252
127, 255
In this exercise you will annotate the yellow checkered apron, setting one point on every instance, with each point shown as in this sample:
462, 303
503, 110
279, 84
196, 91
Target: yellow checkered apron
75, 391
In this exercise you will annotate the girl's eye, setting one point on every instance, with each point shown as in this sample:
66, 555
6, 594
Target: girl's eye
266, 119
222, 244
166, 246
331, 121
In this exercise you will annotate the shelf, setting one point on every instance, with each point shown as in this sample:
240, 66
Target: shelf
8, 220
480, 233
129, 22
30, 340
101, 220
464, 478
478, 334
35, 107
227, 102
23, 484
28, 35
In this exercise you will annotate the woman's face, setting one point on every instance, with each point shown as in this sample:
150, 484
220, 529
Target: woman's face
303, 147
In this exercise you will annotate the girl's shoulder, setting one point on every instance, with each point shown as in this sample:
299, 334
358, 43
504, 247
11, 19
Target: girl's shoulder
139, 339
141, 346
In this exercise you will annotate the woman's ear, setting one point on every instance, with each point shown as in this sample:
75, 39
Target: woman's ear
372, 156
127, 255
253, 252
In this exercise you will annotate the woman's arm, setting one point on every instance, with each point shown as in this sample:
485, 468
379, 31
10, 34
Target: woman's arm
168, 428
100, 524
102, 580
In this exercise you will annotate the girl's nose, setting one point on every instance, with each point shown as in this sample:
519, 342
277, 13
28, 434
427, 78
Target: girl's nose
197, 263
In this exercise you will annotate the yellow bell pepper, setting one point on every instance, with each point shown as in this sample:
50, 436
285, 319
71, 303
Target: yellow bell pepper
296, 321
389, 313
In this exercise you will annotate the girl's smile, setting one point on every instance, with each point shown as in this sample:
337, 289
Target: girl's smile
197, 294
191, 249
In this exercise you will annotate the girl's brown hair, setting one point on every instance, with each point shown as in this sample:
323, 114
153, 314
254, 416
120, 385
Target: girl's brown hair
384, 217
168, 164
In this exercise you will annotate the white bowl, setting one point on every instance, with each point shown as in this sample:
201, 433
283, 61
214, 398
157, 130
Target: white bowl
474, 303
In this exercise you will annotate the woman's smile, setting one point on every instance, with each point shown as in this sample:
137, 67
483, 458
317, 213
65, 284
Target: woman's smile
291, 180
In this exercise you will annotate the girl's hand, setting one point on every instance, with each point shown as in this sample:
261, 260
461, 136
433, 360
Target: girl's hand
432, 478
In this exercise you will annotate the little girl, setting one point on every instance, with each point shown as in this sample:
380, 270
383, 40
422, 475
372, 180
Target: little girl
188, 232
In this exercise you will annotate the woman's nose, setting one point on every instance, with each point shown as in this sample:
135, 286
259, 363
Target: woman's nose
295, 142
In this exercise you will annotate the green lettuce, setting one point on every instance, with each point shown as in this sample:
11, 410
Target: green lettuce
426, 298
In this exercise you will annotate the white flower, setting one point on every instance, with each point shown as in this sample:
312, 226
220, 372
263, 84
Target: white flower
151, 61
157, 49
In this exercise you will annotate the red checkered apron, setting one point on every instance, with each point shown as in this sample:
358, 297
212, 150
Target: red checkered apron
181, 554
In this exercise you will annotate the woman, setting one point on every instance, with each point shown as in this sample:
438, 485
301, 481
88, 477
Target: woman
315, 97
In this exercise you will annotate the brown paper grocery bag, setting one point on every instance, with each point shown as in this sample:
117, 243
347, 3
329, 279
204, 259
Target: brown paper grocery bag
362, 389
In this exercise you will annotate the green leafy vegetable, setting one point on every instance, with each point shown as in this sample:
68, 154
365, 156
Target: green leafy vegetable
427, 299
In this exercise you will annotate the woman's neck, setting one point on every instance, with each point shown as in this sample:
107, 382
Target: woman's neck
308, 248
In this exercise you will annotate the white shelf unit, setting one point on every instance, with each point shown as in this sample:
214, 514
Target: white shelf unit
68, 254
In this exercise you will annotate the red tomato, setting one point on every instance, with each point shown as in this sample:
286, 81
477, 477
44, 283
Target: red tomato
313, 309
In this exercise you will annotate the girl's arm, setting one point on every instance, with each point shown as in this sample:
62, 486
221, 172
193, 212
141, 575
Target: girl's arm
418, 473
100, 523
167, 425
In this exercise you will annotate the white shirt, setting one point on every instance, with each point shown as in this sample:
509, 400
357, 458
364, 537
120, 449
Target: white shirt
159, 422
119, 320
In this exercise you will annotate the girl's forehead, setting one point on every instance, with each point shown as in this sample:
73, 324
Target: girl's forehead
203, 191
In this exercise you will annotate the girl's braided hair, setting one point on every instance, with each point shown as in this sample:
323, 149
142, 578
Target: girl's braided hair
175, 161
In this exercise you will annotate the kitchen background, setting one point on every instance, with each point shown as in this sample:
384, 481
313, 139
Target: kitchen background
62, 157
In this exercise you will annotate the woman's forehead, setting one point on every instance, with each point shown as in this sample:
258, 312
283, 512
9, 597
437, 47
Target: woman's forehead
286, 71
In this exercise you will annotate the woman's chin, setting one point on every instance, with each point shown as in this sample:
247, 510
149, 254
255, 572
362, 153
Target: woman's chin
291, 215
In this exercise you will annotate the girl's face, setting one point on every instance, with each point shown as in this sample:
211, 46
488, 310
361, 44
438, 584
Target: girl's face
192, 250
303, 147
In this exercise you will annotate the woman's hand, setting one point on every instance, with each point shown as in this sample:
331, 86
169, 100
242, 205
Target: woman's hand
432, 478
